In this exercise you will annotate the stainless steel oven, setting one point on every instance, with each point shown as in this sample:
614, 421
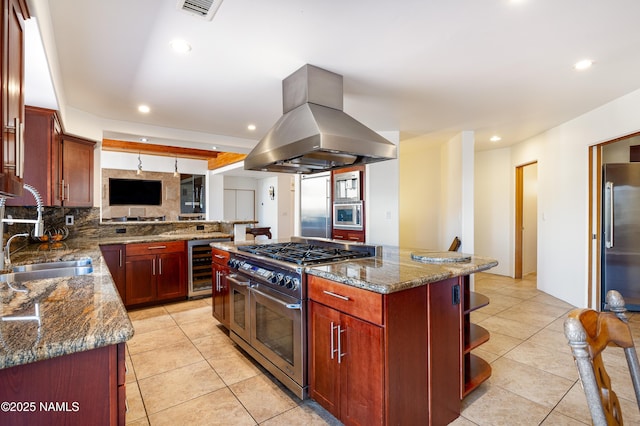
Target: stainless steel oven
267, 323
268, 295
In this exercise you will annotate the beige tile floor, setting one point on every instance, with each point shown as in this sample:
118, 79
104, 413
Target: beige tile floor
184, 369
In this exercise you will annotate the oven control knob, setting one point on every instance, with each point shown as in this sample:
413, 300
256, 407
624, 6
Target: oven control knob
273, 277
232, 263
295, 283
291, 283
287, 281
280, 279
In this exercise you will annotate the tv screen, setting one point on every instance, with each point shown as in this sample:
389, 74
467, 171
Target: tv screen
135, 192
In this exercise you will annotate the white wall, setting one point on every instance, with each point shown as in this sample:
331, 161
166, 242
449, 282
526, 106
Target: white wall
419, 215
381, 199
563, 189
493, 227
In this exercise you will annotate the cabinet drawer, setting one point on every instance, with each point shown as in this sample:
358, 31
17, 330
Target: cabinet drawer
154, 248
363, 304
219, 257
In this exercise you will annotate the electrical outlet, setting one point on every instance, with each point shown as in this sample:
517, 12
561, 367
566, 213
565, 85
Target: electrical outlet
68, 220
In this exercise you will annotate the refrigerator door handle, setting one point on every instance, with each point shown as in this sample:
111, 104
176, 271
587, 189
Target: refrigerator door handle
609, 237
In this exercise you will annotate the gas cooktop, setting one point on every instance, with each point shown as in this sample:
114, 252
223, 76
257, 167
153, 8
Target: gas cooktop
304, 253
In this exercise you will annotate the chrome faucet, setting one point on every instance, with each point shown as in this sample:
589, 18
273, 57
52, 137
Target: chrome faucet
38, 228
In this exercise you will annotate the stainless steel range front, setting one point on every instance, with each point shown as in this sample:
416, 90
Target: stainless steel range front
268, 301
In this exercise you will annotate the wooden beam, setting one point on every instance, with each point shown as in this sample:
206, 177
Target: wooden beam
164, 150
225, 158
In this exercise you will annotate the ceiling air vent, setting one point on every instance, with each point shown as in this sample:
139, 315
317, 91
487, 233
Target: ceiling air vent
201, 8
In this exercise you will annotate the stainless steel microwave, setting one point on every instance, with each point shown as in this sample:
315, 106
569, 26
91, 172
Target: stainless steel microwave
347, 215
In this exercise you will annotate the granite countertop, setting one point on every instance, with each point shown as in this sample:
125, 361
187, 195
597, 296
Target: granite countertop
76, 313
129, 239
396, 270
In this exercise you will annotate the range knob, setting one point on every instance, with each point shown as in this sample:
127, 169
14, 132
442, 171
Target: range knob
280, 279
273, 277
287, 281
295, 283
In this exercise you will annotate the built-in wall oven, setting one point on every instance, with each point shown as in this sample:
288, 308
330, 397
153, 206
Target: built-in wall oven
200, 272
267, 300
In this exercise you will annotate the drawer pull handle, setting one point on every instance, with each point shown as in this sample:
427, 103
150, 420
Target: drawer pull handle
156, 247
218, 256
339, 296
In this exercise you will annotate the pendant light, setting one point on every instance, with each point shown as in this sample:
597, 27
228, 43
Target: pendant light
139, 171
175, 171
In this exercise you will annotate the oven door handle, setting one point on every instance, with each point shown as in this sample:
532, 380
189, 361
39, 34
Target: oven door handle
278, 301
236, 281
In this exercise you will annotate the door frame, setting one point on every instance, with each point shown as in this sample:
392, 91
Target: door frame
517, 273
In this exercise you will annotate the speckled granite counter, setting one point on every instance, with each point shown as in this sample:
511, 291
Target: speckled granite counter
394, 271
76, 313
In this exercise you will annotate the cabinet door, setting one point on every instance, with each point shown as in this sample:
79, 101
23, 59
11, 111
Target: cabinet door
140, 279
12, 97
77, 173
170, 275
362, 381
114, 257
220, 295
445, 345
324, 370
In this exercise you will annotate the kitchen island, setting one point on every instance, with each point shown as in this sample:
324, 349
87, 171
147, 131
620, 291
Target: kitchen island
388, 337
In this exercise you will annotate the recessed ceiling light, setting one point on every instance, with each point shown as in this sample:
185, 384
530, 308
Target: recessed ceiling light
180, 46
583, 64
144, 109
214, 148
495, 138
143, 139
251, 127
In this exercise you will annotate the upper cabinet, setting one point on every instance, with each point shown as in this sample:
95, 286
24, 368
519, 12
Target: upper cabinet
12, 155
59, 166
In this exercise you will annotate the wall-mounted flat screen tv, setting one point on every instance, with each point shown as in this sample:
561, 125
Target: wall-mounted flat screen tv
124, 192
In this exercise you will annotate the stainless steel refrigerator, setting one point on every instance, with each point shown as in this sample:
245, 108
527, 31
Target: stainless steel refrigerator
621, 232
315, 205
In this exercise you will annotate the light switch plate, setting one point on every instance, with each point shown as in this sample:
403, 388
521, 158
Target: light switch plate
68, 220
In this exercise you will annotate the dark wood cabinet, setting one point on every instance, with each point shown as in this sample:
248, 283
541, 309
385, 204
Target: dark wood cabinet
59, 166
386, 359
113, 255
81, 388
347, 359
220, 291
155, 272
75, 172
348, 235
14, 12
42, 133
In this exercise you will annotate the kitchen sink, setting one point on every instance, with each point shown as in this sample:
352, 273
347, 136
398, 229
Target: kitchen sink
41, 274
62, 264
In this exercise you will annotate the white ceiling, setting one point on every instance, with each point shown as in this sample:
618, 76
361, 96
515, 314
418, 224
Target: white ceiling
428, 68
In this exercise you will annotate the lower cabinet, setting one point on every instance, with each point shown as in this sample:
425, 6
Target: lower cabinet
386, 359
155, 272
220, 291
347, 358
80, 388
113, 255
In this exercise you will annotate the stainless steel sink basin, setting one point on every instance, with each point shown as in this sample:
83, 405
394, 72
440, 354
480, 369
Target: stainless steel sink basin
62, 264
40, 274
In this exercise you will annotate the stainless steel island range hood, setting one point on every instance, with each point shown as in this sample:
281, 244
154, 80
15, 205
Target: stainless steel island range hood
314, 134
